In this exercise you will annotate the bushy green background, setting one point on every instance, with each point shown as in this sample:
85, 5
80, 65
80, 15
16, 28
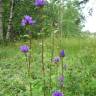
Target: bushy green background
68, 17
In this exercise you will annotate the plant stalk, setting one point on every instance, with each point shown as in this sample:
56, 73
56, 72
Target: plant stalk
30, 66
43, 67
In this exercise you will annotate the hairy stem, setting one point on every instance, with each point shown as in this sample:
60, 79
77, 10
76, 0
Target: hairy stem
30, 67
52, 54
43, 67
62, 87
27, 64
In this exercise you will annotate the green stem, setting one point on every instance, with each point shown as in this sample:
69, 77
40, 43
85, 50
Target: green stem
50, 80
30, 67
62, 88
30, 57
27, 63
52, 47
43, 67
30, 90
52, 54
57, 73
62, 67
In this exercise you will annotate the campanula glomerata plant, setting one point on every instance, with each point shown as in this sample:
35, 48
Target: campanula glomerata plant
29, 21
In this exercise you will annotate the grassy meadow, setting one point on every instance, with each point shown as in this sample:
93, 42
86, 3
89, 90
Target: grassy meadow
79, 74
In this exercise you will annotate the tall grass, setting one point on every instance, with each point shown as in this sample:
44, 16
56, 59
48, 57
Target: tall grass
80, 74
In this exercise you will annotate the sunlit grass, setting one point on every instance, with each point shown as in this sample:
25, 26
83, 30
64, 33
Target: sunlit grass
80, 76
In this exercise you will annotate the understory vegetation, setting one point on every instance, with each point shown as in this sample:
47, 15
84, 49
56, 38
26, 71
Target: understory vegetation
79, 74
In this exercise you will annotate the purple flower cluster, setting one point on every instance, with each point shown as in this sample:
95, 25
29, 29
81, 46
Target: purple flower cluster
27, 20
61, 80
24, 48
40, 3
56, 59
57, 93
62, 53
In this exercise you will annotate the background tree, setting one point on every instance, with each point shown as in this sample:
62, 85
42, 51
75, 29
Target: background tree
10, 33
70, 14
6, 11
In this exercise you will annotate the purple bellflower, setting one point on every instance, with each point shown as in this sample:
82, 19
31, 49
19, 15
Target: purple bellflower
56, 59
62, 53
40, 3
24, 48
27, 20
61, 80
57, 93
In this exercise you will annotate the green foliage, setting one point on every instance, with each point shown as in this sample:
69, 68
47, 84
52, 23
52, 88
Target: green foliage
79, 77
66, 18
6, 9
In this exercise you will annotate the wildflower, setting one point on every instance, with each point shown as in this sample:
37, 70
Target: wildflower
40, 3
62, 53
57, 93
61, 80
27, 20
56, 59
24, 48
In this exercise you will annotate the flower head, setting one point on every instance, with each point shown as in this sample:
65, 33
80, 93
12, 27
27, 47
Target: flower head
61, 81
24, 48
61, 78
57, 93
56, 59
27, 20
62, 53
40, 3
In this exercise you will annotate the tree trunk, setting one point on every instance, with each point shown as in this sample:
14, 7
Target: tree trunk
9, 35
1, 27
